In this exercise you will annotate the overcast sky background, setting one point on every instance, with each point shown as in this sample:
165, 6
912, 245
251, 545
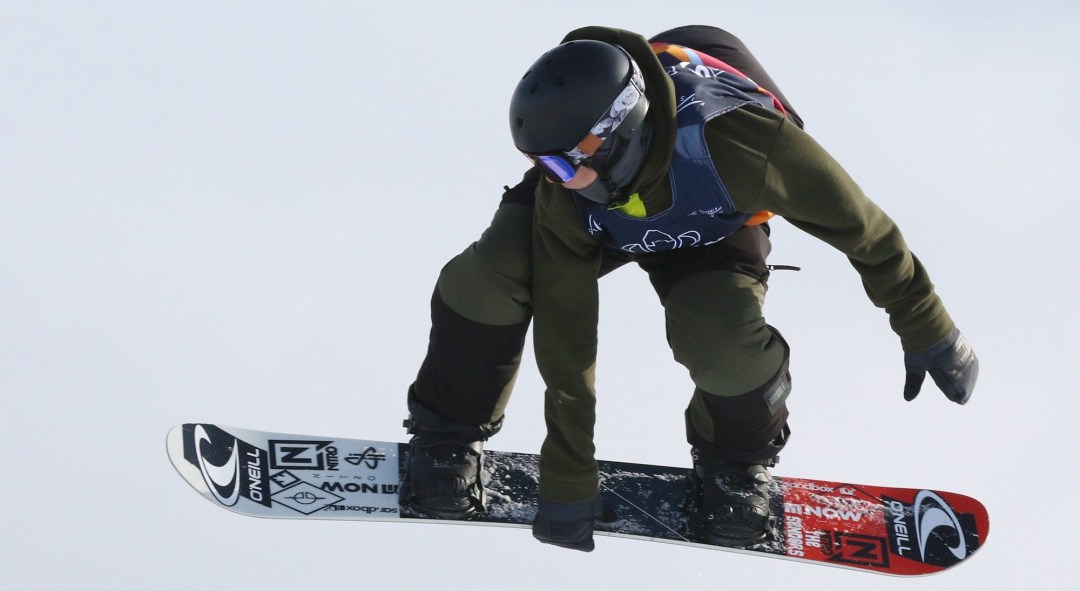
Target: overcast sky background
235, 212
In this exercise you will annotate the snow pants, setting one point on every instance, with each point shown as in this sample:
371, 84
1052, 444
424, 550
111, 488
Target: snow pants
712, 299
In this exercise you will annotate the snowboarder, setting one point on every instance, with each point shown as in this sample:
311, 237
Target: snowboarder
670, 153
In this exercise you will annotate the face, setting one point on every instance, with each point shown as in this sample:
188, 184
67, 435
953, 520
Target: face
583, 177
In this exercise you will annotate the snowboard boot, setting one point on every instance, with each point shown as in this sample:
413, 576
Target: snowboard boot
734, 499
443, 478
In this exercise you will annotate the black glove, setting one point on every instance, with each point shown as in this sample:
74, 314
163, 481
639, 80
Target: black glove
570, 525
952, 363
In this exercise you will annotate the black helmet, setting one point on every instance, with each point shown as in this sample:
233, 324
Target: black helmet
572, 100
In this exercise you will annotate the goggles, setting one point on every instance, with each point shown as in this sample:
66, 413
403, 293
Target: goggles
561, 165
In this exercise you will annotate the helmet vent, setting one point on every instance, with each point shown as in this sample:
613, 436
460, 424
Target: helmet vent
534, 88
520, 122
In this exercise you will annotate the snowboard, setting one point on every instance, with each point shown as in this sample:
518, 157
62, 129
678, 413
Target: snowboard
879, 529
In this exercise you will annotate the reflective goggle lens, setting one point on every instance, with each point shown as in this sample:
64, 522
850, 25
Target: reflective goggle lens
557, 167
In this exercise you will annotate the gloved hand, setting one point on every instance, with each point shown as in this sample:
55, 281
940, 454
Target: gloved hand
952, 363
570, 525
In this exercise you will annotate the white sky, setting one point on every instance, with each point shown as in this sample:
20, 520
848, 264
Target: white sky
234, 212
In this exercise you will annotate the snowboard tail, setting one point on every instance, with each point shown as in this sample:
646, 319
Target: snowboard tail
889, 530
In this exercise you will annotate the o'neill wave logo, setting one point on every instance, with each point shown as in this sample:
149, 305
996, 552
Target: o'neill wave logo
224, 479
932, 512
230, 467
930, 527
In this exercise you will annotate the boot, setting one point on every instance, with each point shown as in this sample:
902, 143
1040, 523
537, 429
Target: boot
734, 500
443, 477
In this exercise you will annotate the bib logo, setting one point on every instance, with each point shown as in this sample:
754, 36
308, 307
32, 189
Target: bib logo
658, 240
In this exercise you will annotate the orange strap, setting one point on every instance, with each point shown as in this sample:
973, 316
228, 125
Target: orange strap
759, 218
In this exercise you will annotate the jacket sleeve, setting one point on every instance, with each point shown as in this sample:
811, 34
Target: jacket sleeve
770, 164
566, 261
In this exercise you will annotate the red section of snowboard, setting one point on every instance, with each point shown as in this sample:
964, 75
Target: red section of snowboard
891, 530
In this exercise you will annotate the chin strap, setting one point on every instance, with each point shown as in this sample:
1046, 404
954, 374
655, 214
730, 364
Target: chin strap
613, 189
603, 190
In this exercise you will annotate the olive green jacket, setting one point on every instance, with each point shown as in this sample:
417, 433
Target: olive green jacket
767, 163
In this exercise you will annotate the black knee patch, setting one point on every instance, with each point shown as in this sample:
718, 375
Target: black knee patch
468, 367
748, 427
